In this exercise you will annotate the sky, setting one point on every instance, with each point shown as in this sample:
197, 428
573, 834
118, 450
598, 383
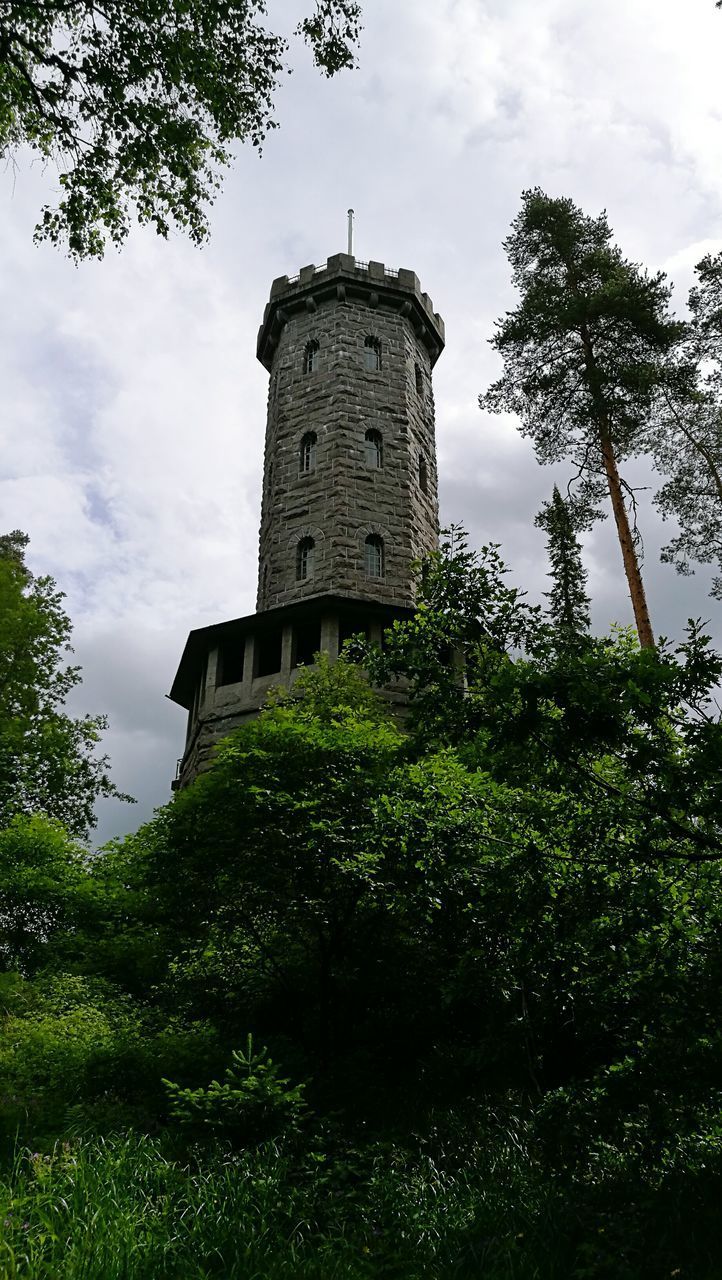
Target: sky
132, 415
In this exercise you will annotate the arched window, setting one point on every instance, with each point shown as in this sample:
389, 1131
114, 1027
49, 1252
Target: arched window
304, 559
419, 378
372, 354
307, 455
374, 556
423, 474
374, 449
310, 356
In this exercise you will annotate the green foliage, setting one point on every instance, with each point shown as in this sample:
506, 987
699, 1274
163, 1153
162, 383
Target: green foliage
519, 892
475, 1202
584, 348
688, 449
568, 599
685, 435
334, 694
45, 890
490, 944
138, 103
76, 1051
258, 869
333, 32
490, 901
705, 305
629, 735
254, 1104
467, 616
585, 354
47, 758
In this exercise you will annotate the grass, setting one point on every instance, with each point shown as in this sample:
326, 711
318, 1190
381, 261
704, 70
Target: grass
123, 1208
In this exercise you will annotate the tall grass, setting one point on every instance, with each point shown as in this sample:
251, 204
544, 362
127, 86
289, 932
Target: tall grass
122, 1208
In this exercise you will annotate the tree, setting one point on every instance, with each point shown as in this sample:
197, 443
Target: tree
687, 446
406, 920
45, 890
270, 871
584, 353
568, 599
685, 434
138, 102
627, 738
428, 931
47, 758
705, 304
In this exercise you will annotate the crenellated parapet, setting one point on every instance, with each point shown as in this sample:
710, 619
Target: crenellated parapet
343, 277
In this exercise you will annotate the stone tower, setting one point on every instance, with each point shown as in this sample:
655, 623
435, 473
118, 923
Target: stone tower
349, 487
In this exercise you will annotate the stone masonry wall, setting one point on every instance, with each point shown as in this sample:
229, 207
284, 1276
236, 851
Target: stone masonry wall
343, 499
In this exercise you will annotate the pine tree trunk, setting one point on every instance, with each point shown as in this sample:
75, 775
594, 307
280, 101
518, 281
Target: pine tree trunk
626, 542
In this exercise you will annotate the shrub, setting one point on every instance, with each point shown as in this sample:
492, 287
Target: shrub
254, 1104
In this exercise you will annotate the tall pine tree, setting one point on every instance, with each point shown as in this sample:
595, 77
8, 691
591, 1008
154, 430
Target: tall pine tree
568, 599
584, 354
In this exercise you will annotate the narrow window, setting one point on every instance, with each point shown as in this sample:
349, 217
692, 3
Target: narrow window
423, 474
306, 642
307, 456
268, 647
304, 559
374, 556
418, 375
349, 627
310, 356
200, 691
372, 354
230, 661
374, 449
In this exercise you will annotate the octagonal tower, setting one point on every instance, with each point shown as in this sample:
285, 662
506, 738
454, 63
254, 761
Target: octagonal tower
349, 487
350, 450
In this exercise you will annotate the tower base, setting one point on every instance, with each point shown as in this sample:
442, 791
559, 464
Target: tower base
227, 670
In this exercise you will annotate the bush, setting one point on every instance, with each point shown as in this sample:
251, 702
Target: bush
76, 1051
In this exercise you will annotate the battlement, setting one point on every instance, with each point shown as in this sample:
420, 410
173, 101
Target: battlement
343, 275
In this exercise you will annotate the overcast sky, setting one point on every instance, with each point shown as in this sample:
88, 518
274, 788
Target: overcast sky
133, 409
